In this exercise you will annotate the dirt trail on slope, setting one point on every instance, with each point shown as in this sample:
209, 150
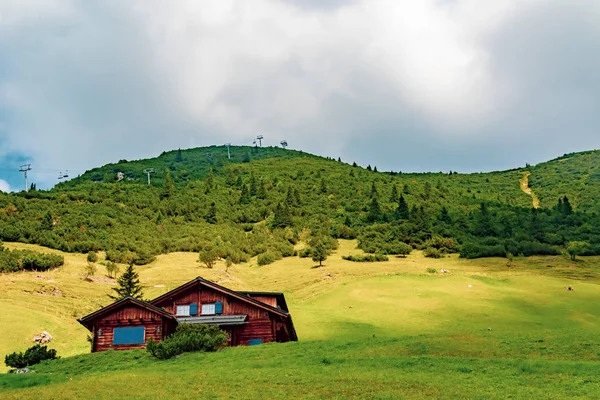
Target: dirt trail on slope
525, 188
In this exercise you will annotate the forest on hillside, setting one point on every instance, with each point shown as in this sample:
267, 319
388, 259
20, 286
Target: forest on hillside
262, 201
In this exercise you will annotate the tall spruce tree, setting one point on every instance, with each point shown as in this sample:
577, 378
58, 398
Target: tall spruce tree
168, 186
403, 211
128, 285
394, 195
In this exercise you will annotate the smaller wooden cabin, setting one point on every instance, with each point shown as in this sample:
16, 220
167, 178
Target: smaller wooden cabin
248, 318
128, 324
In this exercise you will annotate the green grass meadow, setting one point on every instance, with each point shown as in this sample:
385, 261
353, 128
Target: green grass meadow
384, 330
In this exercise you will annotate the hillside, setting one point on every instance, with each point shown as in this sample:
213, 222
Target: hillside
381, 330
264, 200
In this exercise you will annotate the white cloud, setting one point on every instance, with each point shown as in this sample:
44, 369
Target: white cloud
4, 186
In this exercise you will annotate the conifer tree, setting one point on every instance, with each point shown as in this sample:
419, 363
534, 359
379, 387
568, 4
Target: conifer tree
567, 208
253, 186
394, 195
211, 217
210, 179
374, 211
375, 169
373, 189
128, 285
319, 254
179, 156
403, 212
369, 168
245, 197
323, 186
47, 222
406, 189
168, 186
262, 192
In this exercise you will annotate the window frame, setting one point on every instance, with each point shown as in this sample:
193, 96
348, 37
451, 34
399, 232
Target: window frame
185, 306
214, 309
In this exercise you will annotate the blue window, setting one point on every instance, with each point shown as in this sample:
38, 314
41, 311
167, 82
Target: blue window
254, 342
133, 335
218, 307
193, 309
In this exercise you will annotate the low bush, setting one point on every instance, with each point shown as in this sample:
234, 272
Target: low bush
366, 258
19, 260
431, 271
305, 253
268, 258
33, 355
187, 338
432, 252
92, 257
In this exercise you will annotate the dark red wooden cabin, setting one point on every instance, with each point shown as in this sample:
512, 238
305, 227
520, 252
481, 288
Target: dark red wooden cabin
128, 324
248, 318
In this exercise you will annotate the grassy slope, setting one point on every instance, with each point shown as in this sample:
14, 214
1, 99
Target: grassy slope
384, 328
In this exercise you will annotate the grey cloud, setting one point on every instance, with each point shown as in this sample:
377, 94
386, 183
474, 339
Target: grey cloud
105, 81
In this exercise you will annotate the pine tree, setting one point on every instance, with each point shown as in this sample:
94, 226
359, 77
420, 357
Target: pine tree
179, 156
168, 186
375, 169
567, 208
394, 195
47, 222
128, 285
253, 187
403, 212
210, 179
354, 164
406, 189
297, 198
373, 190
262, 192
245, 197
323, 186
319, 254
369, 168
374, 211
289, 198
211, 217
282, 217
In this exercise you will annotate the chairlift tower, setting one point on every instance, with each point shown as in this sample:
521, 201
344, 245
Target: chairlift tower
260, 138
228, 153
24, 169
284, 144
149, 171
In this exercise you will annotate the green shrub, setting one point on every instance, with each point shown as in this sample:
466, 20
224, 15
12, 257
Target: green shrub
187, 338
112, 269
92, 257
366, 258
305, 253
431, 271
18, 260
268, 258
33, 355
431, 252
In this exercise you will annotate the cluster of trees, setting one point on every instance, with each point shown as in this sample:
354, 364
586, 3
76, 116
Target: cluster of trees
27, 260
264, 200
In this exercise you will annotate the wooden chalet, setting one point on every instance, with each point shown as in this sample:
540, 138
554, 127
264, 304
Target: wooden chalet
248, 318
128, 324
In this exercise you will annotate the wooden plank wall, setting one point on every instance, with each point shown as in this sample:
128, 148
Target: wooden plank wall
129, 316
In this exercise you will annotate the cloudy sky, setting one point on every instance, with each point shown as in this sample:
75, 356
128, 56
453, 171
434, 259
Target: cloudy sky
465, 85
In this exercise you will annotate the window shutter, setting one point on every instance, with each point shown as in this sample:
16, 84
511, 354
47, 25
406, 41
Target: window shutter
193, 309
133, 335
218, 307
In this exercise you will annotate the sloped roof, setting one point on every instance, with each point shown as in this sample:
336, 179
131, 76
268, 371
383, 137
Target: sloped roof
85, 321
238, 295
280, 297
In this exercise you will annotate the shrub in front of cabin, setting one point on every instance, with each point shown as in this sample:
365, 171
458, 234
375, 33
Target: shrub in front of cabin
188, 338
33, 355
